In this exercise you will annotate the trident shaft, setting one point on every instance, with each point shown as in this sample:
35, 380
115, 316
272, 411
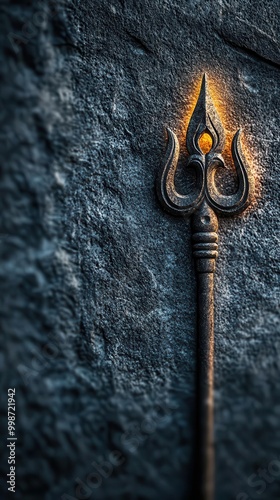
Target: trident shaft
204, 205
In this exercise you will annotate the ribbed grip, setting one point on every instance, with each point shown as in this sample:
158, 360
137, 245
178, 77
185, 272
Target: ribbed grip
205, 239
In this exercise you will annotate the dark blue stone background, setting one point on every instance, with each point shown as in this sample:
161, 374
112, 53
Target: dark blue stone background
97, 283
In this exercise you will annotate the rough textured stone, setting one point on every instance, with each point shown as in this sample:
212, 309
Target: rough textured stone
98, 285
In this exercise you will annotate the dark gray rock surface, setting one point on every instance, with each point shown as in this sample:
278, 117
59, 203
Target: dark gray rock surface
97, 282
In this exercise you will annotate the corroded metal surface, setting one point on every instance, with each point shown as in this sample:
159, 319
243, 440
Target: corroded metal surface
205, 204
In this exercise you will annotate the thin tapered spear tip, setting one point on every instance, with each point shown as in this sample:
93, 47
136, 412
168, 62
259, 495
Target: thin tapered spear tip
204, 86
204, 79
203, 93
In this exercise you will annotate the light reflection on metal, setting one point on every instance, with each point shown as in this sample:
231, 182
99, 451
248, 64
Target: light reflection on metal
205, 157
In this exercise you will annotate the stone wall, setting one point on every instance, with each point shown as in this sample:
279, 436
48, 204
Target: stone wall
98, 283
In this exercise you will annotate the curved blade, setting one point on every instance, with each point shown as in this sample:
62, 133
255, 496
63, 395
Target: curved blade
171, 200
205, 119
236, 203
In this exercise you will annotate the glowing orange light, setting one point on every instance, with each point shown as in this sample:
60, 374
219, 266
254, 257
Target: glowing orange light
205, 143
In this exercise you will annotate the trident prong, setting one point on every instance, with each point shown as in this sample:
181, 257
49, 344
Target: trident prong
204, 204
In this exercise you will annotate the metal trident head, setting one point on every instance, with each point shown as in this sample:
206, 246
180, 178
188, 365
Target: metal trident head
205, 119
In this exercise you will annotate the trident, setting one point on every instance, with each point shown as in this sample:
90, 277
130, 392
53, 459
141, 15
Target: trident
206, 203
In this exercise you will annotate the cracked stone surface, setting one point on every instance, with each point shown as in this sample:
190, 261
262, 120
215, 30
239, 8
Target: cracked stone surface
98, 284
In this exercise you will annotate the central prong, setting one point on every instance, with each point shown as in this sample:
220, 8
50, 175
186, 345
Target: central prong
205, 119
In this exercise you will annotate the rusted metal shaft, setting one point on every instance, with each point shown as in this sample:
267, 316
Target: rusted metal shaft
205, 251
